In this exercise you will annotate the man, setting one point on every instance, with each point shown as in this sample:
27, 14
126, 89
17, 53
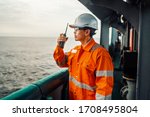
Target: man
90, 65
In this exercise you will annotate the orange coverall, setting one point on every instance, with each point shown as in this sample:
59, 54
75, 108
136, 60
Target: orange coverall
90, 71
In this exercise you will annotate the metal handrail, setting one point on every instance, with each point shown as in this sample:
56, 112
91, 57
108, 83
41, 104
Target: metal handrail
41, 88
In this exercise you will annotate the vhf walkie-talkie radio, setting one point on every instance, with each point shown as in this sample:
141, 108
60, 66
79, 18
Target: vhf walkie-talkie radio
61, 43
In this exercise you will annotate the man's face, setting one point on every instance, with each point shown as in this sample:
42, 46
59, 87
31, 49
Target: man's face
80, 34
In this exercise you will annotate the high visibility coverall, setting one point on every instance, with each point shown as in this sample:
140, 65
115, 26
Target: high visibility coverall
90, 71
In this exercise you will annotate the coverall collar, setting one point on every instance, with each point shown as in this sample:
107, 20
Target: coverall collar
89, 45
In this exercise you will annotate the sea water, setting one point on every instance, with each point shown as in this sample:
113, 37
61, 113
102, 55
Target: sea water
24, 60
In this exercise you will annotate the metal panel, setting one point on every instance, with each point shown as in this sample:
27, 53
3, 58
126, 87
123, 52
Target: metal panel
143, 87
105, 35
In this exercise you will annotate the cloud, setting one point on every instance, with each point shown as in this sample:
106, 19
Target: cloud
38, 17
12, 11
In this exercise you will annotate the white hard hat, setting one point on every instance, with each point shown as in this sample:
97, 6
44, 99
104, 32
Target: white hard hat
85, 20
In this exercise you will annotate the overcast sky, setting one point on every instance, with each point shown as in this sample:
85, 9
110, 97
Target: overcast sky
38, 17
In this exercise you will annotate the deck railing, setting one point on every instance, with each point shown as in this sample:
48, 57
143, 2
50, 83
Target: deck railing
43, 89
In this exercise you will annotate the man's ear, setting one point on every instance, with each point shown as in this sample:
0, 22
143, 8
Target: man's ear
87, 32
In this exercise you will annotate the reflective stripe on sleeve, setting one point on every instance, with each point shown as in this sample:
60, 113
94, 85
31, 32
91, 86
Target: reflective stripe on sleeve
101, 97
104, 73
81, 85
